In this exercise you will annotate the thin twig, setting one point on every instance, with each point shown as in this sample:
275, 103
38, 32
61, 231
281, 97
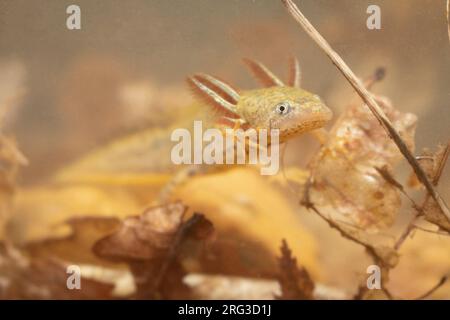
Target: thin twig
377, 76
432, 290
369, 249
334, 225
441, 164
368, 99
389, 178
409, 228
179, 237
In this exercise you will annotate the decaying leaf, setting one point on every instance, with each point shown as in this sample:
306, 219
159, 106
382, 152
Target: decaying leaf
348, 185
295, 281
433, 162
433, 165
435, 215
229, 254
143, 237
150, 244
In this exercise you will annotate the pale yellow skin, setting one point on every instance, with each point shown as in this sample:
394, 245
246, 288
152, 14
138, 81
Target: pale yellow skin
258, 109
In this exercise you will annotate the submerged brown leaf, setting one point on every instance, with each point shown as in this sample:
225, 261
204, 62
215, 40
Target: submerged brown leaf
295, 281
150, 244
435, 215
348, 185
143, 237
433, 164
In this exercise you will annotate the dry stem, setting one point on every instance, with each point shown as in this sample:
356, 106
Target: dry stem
448, 19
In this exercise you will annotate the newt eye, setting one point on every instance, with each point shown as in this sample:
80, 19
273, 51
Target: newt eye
283, 108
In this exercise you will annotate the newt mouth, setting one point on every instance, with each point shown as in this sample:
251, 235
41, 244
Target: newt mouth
305, 122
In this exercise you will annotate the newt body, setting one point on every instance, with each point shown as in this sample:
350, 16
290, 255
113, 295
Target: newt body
288, 108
